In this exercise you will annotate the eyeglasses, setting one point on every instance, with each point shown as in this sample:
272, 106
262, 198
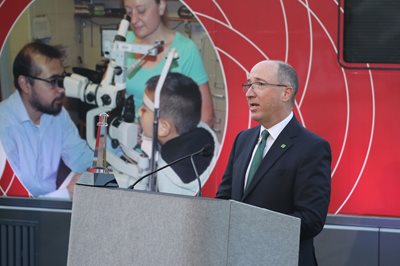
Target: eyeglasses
55, 81
259, 85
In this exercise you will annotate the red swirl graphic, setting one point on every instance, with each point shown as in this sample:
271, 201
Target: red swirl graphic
355, 110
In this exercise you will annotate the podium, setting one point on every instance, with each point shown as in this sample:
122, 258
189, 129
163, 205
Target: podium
128, 227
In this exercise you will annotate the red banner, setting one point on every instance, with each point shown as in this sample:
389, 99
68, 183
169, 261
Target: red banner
10, 185
355, 110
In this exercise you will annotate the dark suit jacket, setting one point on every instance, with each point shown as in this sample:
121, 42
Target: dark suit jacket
294, 178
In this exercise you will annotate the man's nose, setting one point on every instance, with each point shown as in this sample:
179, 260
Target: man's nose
250, 92
60, 88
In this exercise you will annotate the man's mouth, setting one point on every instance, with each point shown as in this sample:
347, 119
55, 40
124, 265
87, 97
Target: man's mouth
253, 106
59, 99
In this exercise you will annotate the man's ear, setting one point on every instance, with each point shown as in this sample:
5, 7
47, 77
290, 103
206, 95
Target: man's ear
164, 128
24, 84
287, 94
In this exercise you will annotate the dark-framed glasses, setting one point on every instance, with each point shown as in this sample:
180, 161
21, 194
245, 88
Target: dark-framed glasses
260, 85
54, 81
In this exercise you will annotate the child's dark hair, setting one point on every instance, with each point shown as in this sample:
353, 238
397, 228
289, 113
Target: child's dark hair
180, 100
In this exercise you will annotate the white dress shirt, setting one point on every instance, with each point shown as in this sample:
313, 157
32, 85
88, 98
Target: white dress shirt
274, 132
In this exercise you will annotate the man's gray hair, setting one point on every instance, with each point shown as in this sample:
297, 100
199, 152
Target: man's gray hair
288, 76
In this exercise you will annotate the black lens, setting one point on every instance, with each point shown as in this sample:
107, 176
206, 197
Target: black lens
59, 81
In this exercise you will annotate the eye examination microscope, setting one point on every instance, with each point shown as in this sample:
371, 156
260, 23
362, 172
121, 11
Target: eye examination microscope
124, 130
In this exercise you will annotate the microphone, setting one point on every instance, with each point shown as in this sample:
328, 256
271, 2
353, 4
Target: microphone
205, 151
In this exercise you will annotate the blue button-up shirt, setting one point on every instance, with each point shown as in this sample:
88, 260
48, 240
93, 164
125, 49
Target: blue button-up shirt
34, 151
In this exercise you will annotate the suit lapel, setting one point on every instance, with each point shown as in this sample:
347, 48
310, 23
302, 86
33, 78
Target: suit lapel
282, 144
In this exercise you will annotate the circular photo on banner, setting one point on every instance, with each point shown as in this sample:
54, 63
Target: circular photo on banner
86, 30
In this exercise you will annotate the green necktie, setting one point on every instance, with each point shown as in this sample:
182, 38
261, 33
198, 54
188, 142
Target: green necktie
258, 156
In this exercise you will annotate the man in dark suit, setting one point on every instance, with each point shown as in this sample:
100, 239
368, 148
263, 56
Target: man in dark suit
293, 175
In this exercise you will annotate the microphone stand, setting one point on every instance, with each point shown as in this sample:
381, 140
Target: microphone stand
197, 175
202, 150
159, 169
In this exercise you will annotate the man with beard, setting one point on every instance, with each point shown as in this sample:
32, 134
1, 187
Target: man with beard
36, 130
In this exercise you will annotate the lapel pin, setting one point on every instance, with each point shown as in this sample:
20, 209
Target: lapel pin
283, 146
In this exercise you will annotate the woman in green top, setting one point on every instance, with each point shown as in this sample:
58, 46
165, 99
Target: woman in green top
148, 27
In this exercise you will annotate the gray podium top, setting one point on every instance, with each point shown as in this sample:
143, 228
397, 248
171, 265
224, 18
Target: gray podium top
125, 227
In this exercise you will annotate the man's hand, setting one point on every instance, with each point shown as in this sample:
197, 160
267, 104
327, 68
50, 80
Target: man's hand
71, 184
